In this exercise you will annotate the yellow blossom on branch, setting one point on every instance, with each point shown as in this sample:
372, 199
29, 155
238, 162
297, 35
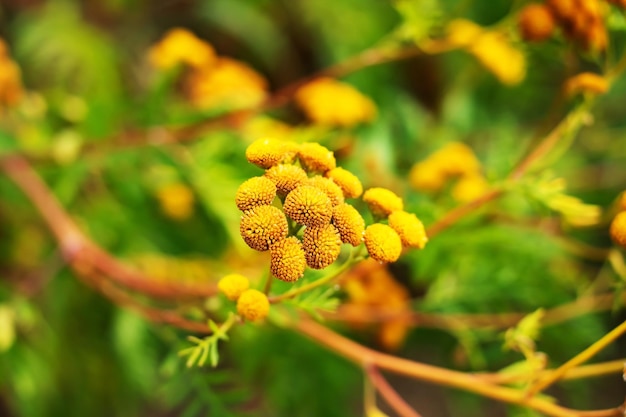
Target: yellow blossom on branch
267, 152
316, 158
382, 202
180, 46
176, 201
257, 191
349, 223
469, 187
288, 261
262, 226
409, 228
330, 102
253, 305
347, 181
233, 285
383, 243
308, 206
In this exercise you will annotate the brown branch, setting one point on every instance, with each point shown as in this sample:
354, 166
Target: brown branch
78, 250
390, 395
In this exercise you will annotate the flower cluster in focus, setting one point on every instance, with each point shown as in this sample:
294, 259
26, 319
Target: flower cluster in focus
210, 81
455, 161
298, 211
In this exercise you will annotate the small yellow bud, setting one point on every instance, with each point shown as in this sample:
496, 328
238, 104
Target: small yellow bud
253, 305
233, 285
286, 177
382, 202
309, 206
618, 229
316, 158
409, 228
347, 181
383, 243
329, 188
267, 152
288, 262
257, 191
321, 246
262, 226
349, 223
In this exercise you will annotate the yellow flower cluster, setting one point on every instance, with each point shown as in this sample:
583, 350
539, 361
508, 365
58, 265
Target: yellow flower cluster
210, 81
252, 304
580, 20
371, 289
176, 201
330, 102
10, 78
492, 48
311, 188
454, 161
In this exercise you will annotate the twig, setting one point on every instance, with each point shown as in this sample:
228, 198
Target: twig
390, 395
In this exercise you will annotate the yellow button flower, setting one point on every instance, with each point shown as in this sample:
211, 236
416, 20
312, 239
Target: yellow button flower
233, 285
330, 102
263, 226
309, 206
176, 201
347, 181
618, 229
409, 228
286, 177
382, 202
383, 243
586, 82
316, 158
181, 46
227, 84
455, 158
267, 152
329, 187
469, 188
349, 223
257, 191
253, 305
288, 262
321, 246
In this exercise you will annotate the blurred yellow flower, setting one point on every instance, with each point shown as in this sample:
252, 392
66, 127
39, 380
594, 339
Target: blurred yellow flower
618, 229
321, 245
462, 32
176, 201
180, 46
382, 202
586, 82
253, 305
287, 259
233, 285
427, 176
330, 102
266, 127
469, 187
496, 53
226, 84
10, 79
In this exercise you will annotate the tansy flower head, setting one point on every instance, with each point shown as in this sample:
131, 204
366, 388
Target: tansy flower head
257, 191
382, 202
268, 152
309, 206
321, 246
349, 223
330, 102
288, 261
383, 243
263, 226
176, 201
286, 177
469, 188
586, 82
409, 228
253, 305
228, 83
329, 187
536, 22
233, 285
618, 229
427, 176
181, 46
347, 181
316, 158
